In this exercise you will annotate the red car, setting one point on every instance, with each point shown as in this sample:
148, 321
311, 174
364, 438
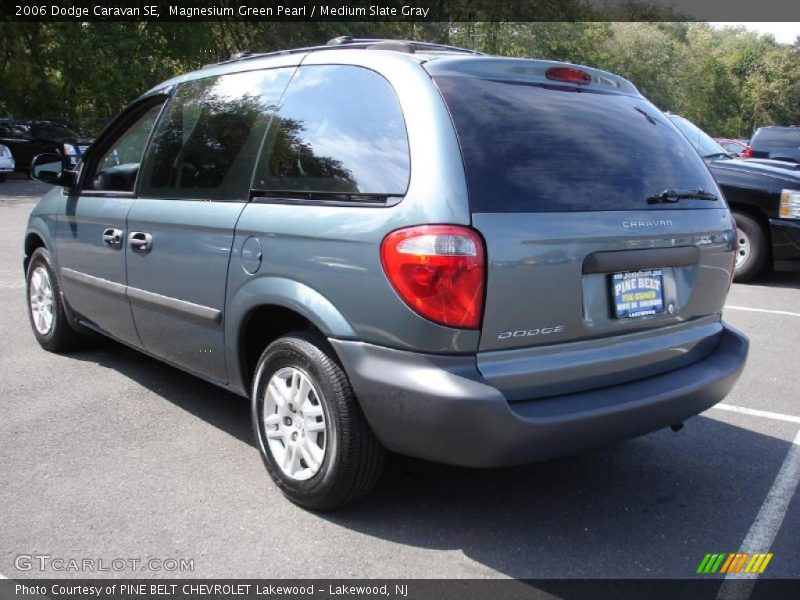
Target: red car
736, 147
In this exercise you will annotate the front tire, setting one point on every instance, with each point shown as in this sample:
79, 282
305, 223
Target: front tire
751, 250
46, 307
312, 435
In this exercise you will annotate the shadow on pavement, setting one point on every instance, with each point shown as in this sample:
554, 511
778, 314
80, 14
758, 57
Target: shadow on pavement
786, 277
646, 508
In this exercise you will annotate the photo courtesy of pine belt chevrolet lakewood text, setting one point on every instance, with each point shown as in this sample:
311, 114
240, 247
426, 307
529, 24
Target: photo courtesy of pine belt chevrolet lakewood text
367, 240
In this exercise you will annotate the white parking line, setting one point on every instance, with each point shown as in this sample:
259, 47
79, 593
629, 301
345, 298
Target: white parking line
767, 524
763, 310
758, 413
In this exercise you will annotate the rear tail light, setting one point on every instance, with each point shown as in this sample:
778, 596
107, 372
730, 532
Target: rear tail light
439, 271
569, 75
747, 152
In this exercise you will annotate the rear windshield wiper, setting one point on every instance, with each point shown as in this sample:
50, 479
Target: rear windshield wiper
717, 155
677, 195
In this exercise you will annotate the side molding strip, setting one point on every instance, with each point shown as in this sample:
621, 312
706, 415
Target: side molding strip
150, 299
183, 307
111, 287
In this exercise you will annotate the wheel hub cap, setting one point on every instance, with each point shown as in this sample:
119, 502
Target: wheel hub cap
743, 248
41, 300
294, 423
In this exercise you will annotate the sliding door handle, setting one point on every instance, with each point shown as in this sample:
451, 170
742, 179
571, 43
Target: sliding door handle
141, 241
113, 237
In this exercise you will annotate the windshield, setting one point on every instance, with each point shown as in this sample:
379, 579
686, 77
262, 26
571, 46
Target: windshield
731, 146
48, 129
698, 138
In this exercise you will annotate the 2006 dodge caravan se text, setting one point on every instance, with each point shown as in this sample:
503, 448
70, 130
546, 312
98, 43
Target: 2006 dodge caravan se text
399, 246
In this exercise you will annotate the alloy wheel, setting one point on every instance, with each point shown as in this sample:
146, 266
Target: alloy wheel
41, 300
294, 423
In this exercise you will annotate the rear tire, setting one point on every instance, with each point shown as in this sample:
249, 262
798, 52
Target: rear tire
312, 435
46, 307
751, 251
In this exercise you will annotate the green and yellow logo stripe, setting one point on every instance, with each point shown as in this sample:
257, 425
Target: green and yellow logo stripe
734, 562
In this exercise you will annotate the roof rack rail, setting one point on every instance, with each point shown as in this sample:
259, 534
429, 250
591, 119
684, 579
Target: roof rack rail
346, 41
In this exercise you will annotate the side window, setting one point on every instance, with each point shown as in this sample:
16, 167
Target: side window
340, 130
206, 144
118, 168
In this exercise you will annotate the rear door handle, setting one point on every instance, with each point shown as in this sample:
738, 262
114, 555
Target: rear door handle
113, 237
140, 241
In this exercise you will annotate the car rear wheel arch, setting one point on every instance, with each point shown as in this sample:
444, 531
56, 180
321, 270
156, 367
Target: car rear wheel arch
263, 325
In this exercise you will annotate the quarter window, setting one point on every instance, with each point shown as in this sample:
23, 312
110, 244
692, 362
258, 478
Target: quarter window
206, 144
339, 131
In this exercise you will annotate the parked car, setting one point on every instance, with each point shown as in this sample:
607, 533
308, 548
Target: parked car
6, 163
777, 143
28, 138
736, 148
764, 196
366, 239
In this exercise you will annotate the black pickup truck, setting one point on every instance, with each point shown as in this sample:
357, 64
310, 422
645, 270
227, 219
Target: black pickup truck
28, 138
764, 196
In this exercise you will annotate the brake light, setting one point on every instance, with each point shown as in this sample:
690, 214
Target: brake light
439, 271
569, 75
747, 152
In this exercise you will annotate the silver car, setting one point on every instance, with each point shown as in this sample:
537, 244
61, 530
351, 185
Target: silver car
399, 246
6, 163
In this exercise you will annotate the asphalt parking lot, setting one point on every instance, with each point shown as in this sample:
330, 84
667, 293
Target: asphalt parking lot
108, 454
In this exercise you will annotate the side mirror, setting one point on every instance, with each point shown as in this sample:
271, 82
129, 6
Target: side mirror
50, 168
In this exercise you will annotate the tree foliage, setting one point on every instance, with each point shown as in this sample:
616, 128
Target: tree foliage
728, 81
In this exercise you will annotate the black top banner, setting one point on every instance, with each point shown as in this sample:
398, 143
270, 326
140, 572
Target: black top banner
404, 10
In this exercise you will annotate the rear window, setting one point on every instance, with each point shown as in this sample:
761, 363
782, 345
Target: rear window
785, 137
530, 147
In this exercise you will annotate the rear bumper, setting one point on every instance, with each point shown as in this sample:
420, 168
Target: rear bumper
785, 239
440, 408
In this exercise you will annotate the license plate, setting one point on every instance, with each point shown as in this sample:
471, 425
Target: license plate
638, 293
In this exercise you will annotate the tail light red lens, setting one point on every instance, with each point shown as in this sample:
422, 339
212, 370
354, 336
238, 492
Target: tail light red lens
439, 271
569, 75
747, 152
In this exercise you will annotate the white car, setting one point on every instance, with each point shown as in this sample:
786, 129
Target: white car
6, 163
